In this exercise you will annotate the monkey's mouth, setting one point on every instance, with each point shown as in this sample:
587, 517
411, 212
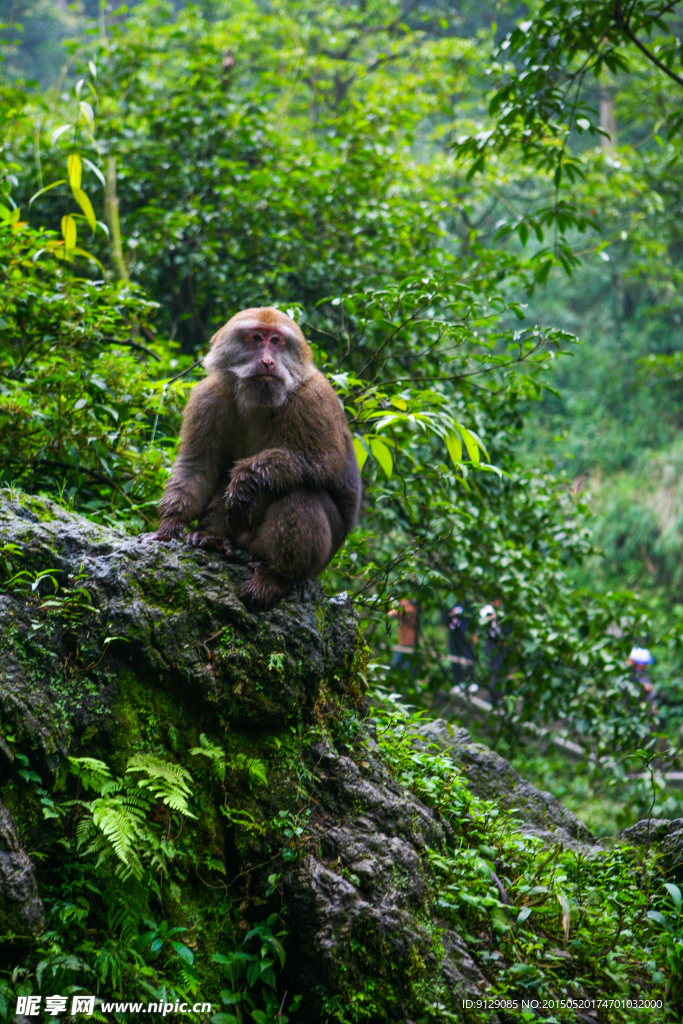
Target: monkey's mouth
264, 389
264, 377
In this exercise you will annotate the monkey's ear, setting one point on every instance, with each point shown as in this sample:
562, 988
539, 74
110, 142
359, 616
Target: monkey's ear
212, 358
217, 336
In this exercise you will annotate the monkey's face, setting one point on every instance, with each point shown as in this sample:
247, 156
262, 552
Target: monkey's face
265, 351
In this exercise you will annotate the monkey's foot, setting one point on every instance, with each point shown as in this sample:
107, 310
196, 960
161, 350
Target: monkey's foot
201, 539
157, 535
263, 590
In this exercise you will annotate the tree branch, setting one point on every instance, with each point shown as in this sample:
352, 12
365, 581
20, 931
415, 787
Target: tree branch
621, 23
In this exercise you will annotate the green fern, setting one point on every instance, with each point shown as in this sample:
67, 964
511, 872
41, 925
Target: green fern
116, 823
255, 768
93, 774
121, 820
214, 753
128, 903
168, 781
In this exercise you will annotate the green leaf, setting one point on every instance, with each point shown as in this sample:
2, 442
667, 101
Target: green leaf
58, 132
94, 169
470, 444
674, 892
183, 951
85, 205
87, 111
383, 456
500, 920
361, 452
69, 232
88, 255
75, 170
47, 188
454, 446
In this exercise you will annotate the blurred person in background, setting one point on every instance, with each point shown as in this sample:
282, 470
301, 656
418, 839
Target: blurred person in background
408, 617
458, 621
639, 660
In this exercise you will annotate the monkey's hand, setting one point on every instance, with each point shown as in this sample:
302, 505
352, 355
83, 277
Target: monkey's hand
202, 539
240, 500
168, 529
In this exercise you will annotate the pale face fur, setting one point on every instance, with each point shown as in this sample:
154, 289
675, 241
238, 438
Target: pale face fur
267, 353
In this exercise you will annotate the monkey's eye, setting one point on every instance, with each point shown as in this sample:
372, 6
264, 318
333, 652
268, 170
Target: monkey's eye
277, 340
257, 336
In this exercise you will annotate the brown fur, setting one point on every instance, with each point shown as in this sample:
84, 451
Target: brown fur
266, 460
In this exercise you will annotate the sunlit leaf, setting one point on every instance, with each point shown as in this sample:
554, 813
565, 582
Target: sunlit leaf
69, 231
58, 132
383, 455
47, 188
470, 444
361, 453
85, 205
87, 111
454, 446
88, 256
94, 169
75, 170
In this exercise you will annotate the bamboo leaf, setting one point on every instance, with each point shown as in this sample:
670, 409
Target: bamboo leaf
69, 231
454, 446
87, 111
75, 170
47, 188
59, 132
85, 205
470, 444
94, 169
88, 255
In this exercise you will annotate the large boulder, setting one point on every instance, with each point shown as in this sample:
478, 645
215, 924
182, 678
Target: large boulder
492, 777
171, 760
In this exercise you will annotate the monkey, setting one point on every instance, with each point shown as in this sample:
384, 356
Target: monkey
266, 461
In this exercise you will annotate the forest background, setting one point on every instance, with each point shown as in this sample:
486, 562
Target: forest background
448, 197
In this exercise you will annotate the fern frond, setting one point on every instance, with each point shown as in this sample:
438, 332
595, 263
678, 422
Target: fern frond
84, 830
167, 780
255, 768
257, 771
215, 754
128, 904
123, 825
92, 773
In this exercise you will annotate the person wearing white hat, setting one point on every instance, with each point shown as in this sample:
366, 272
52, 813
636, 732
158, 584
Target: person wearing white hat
639, 659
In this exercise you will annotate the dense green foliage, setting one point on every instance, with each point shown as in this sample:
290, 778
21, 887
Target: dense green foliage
246, 180
435, 198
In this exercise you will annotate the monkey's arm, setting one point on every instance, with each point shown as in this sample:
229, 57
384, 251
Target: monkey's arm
279, 470
201, 458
